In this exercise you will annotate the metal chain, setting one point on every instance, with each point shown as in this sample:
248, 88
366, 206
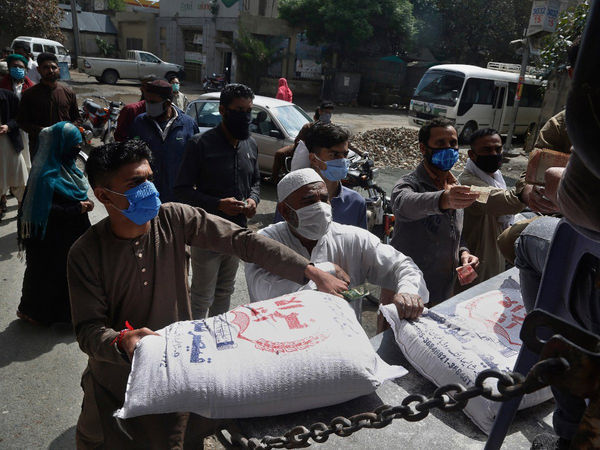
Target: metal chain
415, 407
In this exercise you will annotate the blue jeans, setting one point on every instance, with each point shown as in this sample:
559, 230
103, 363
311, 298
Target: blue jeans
531, 250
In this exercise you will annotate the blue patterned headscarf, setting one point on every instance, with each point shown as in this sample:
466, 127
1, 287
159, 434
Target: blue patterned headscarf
51, 173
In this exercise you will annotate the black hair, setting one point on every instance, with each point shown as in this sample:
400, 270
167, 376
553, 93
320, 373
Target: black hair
573, 51
43, 57
438, 122
325, 135
107, 159
233, 91
482, 132
171, 77
22, 46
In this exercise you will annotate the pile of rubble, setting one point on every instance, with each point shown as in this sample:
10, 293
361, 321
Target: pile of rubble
395, 148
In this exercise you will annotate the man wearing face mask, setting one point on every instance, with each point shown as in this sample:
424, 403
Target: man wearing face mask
485, 221
23, 49
131, 111
166, 130
128, 276
220, 174
322, 114
428, 206
309, 230
46, 103
179, 98
327, 150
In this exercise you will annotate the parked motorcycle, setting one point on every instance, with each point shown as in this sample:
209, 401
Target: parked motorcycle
101, 121
361, 174
214, 83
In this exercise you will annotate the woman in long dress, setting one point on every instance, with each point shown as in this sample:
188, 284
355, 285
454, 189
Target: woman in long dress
52, 217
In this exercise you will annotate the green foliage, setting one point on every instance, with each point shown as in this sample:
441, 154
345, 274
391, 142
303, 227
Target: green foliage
349, 25
254, 57
115, 5
39, 18
471, 31
105, 48
571, 24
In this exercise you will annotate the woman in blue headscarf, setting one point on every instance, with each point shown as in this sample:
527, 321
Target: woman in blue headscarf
52, 217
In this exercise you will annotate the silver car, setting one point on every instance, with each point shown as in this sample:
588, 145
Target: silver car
275, 123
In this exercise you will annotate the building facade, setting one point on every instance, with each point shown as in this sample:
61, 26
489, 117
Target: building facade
198, 33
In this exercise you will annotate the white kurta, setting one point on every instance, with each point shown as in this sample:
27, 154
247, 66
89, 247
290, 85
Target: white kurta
13, 171
361, 254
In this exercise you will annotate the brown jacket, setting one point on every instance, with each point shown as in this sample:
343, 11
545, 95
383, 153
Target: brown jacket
42, 107
145, 281
481, 227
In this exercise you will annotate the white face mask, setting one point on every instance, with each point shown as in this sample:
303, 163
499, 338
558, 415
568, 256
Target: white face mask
313, 220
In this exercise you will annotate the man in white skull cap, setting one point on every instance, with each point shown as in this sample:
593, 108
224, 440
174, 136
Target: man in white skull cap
309, 230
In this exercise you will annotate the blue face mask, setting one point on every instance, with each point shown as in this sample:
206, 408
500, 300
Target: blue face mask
443, 158
143, 203
17, 73
336, 170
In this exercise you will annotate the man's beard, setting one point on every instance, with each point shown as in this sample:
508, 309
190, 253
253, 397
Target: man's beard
51, 78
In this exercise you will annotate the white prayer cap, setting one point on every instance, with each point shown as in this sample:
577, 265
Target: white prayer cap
294, 181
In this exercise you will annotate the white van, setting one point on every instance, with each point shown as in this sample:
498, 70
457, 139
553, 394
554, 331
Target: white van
40, 45
474, 97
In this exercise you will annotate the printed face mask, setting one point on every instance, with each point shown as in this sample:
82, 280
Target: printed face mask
313, 220
155, 109
238, 124
17, 73
489, 163
143, 203
337, 169
443, 158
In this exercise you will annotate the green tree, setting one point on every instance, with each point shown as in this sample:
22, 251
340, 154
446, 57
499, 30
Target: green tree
349, 25
115, 5
106, 49
571, 24
471, 31
39, 18
254, 57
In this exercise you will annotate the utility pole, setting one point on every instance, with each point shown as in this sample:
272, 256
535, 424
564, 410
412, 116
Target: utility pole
75, 33
518, 92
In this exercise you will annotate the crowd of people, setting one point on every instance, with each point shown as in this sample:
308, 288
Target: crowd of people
175, 196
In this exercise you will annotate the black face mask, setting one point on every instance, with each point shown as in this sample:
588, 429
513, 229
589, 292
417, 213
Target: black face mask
70, 154
238, 124
489, 163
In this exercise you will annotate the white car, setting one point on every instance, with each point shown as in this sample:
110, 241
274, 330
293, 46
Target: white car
275, 123
41, 45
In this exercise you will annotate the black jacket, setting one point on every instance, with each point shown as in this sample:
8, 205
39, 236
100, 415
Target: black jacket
9, 106
212, 169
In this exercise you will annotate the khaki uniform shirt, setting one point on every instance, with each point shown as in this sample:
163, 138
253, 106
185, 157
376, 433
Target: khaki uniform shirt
145, 281
481, 227
553, 134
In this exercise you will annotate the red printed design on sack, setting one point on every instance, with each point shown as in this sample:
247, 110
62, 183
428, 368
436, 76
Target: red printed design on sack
252, 320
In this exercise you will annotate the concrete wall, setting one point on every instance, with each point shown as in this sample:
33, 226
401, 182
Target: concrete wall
87, 42
137, 25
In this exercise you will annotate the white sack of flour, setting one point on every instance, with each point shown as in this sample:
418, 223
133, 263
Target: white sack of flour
292, 353
455, 340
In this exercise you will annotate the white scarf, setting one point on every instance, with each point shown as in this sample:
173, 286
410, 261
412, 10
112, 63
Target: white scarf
496, 180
